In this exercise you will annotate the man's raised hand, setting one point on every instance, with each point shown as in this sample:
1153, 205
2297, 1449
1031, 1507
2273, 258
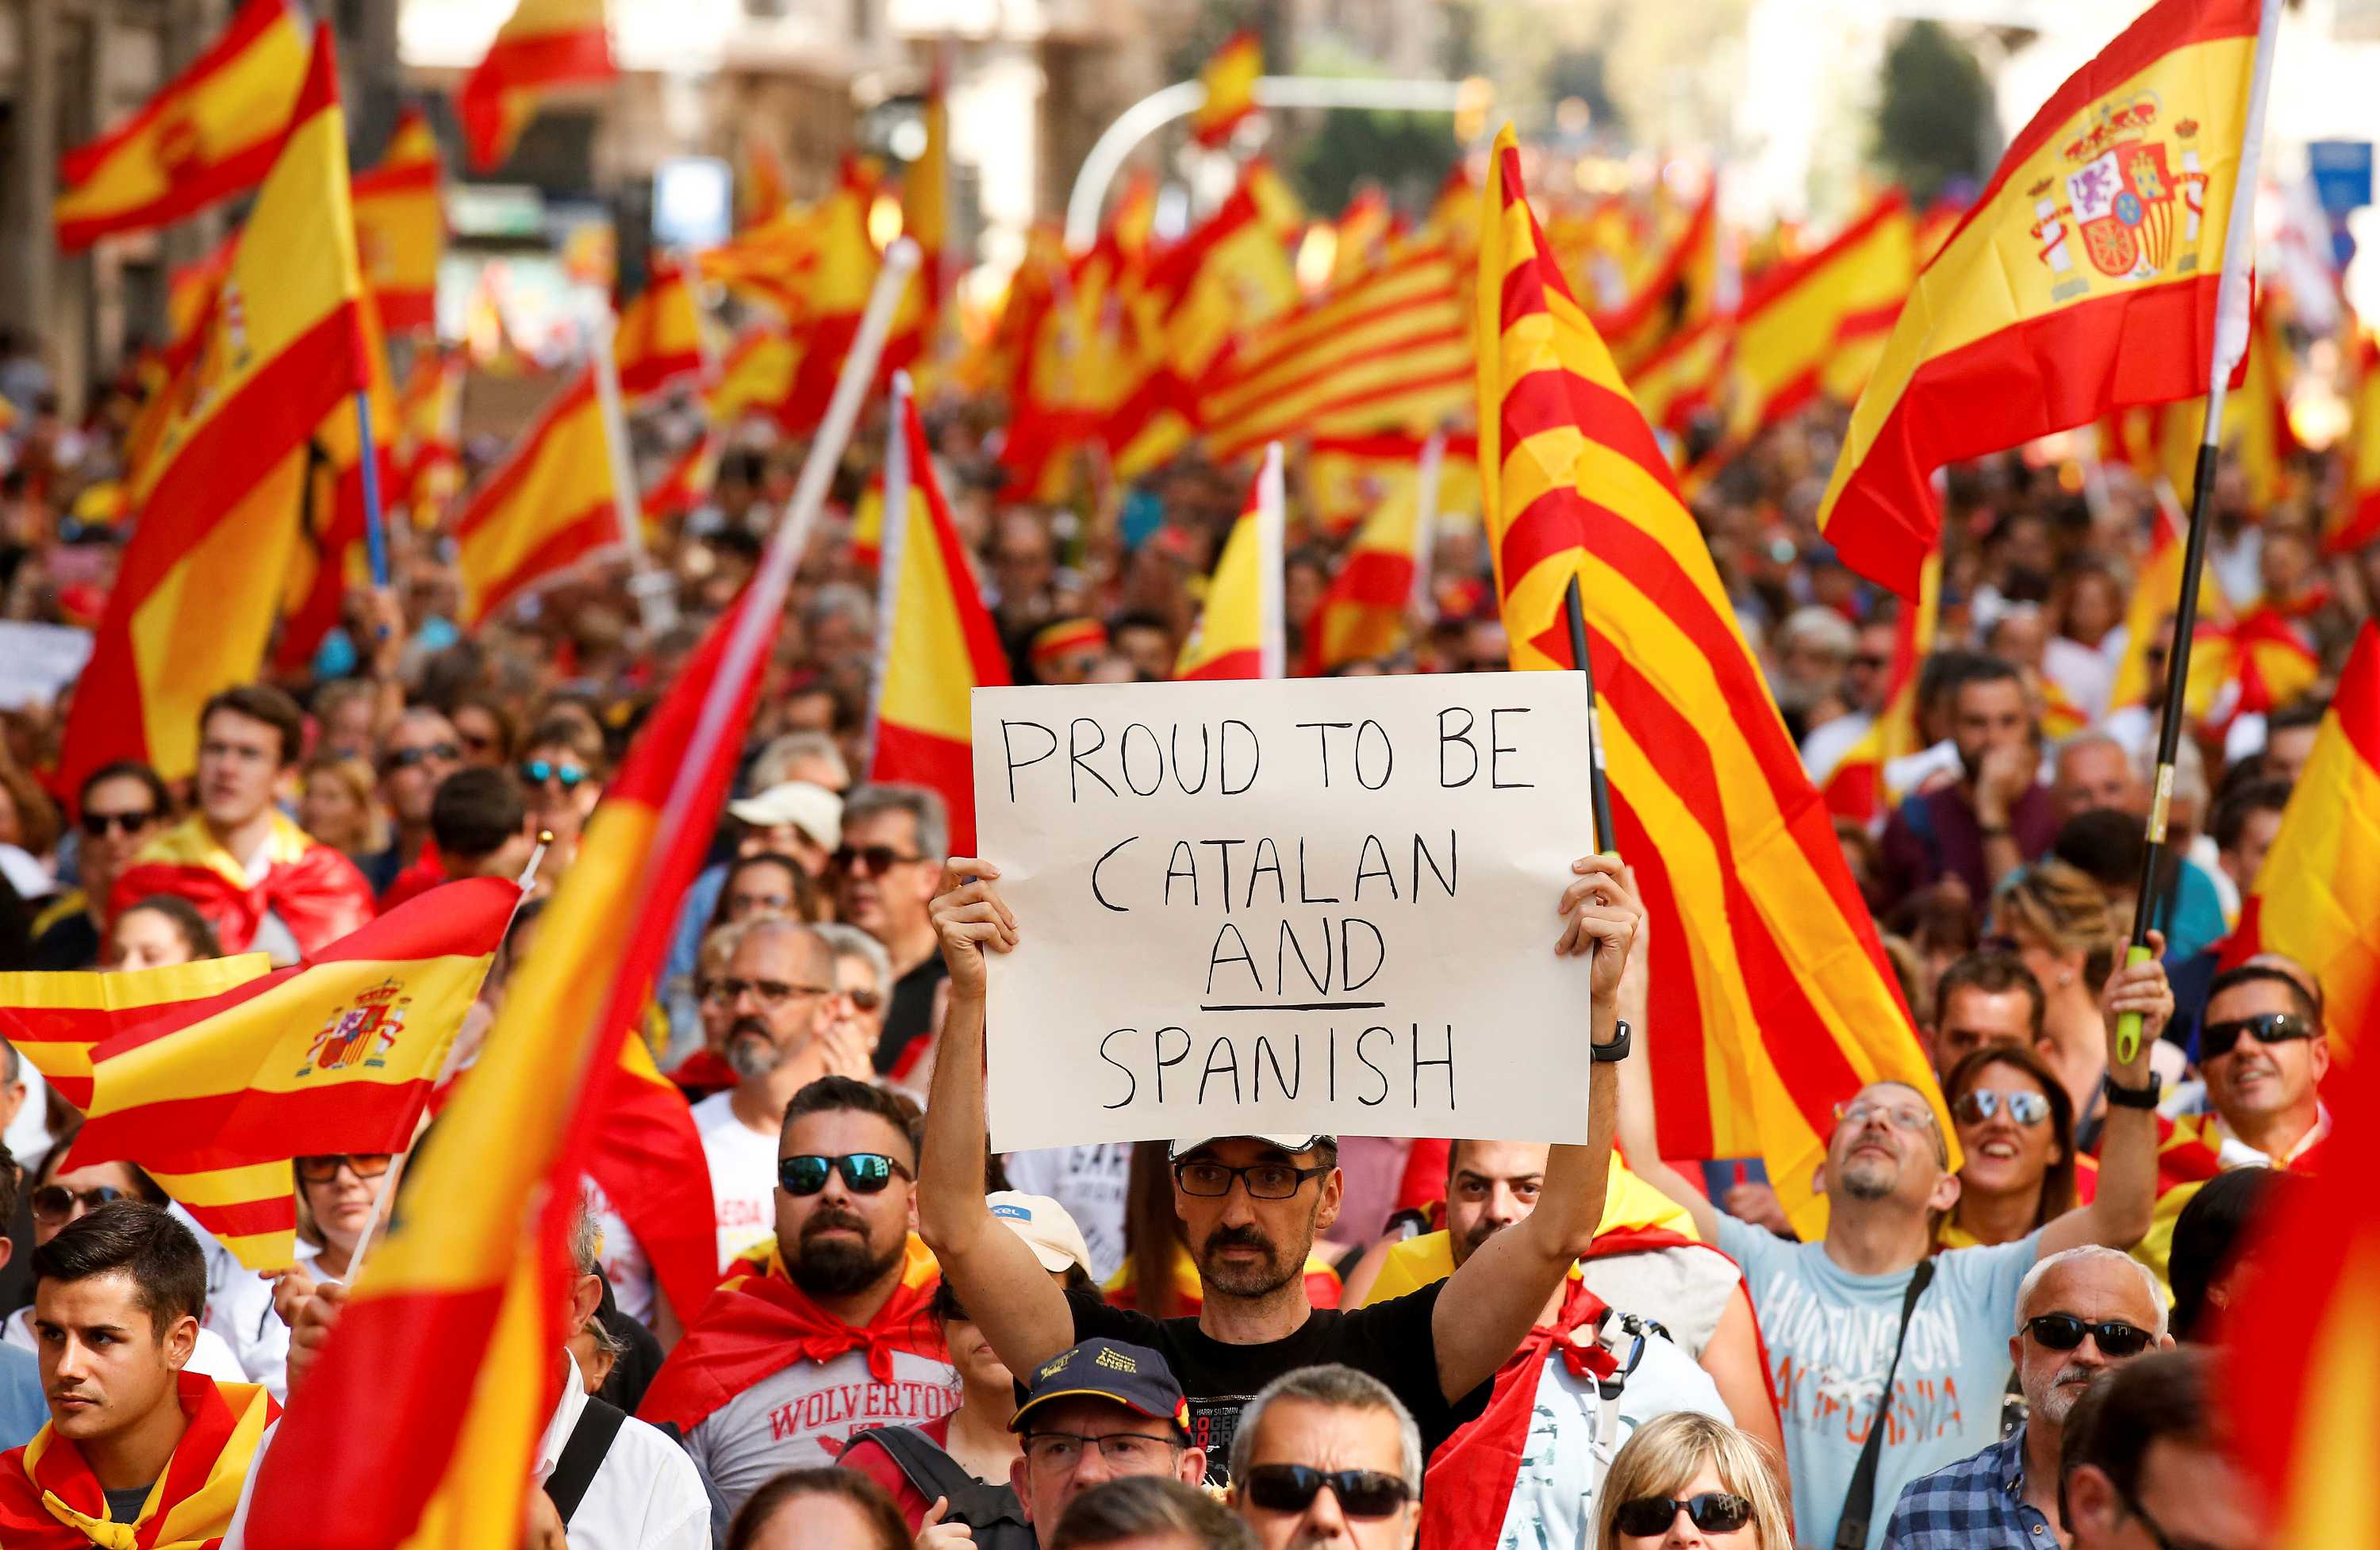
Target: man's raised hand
970, 918
2140, 988
1600, 915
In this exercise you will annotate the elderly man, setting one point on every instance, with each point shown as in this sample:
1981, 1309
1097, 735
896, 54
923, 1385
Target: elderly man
2144, 1455
1326, 1456
894, 841
2080, 1313
1097, 1412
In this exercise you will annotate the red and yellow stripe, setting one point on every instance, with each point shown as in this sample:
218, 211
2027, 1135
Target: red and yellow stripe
1855, 788
551, 506
1229, 77
1815, 326
1677, 297
2355, 520
544, 43
1239, 631
55, 1020
1363, 613
660, 337
401, 226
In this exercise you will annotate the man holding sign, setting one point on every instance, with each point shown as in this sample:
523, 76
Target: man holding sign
1251, 1206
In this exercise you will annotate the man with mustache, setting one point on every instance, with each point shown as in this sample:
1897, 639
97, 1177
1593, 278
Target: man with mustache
776, 986
824, 1329
2079, 1314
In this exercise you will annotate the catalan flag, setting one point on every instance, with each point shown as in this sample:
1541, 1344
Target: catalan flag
660, 338
1386, 353
2355, 520
939, 639
1362, 611
1679, 295
1685, 377
1803, 320
1230, 78
216, 1098
550, 507
55, 1020
2084, 279
437, 1453
544, 43
1855, 787
401, 226
1239, 633
219, 501
1765, 962
211, 132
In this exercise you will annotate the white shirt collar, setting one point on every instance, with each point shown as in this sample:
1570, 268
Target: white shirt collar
558, 1427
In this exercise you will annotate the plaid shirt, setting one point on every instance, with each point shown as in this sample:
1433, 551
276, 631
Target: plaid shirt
1975, 1504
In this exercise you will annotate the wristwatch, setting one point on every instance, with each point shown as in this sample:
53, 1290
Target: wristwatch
2136, 1097
1617, 1049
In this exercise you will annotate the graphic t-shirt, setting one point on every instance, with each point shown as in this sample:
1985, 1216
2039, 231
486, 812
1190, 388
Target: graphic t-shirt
743, 1175
1830, 1336
1390, 1340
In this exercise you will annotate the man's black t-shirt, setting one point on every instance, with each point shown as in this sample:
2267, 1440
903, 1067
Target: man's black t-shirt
908, 1012
1390, 1340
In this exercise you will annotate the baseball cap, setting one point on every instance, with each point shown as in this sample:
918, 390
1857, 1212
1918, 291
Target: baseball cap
1130, 1376
814, 810
1190, 1143
1044, 1225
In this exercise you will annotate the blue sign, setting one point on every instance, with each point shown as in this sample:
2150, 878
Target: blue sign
2342, 173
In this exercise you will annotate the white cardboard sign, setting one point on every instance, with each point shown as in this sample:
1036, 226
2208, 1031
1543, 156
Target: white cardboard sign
1286, 907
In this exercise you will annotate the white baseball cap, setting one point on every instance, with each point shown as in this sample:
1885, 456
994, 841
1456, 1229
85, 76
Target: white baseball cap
1190, 1143
813, 809
1044, 1225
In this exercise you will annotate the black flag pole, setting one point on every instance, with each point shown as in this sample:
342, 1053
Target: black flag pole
1598, 787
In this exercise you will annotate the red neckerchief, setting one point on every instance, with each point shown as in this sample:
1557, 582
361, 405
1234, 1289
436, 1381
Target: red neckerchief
701, 1074
199, 1464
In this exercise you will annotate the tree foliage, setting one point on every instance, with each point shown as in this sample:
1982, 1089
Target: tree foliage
1934, 118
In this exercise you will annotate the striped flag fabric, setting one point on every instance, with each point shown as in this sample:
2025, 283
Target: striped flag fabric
756, 376
648, 1160
1685, 377
1346, 478
2355, 519
211, 132
57, 1020
1677, 296
1074, 370
939, 641
1239, 633
429, 430
2084, 279
550, 507
337, 1054
218, 502
1363, 611
1765, 967
1808, 328
543, 44
333, 551
686, 484
419, 1453
1855, 787
1229, 77
658, 340
401, 226
833, 292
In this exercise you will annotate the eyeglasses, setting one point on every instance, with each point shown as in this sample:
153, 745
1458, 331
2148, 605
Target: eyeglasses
2163, 1539
1980, 1104
1137, 1452
477, 742
55, 1202
1714, 1512
1265, 1181
2219, 1039
1906, 1117
2064, 1332
863, 1172
323, 1167
1293, 1487
750, 901
767, 992
537, 772
99, 825
875, 860
1868, 662
406, 758
864, 999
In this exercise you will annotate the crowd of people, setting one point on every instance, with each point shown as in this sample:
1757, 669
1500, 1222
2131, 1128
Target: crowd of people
1224, 1341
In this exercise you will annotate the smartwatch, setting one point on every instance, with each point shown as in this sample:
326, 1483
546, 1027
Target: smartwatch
1617, 1049
2136, 1097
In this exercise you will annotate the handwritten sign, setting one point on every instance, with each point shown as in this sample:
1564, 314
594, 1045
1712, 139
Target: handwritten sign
1286, 907
37, 660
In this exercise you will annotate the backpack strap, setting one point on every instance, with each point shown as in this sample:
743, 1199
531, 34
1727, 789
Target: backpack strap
583, 1455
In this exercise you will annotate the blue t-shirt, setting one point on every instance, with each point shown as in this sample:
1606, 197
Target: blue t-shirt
1830, 1336
23, 1412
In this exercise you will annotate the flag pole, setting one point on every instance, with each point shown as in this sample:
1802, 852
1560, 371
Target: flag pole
1271, 517
368, 464
2231, 301
1433, 458
656, 604
1599, 786
891, 535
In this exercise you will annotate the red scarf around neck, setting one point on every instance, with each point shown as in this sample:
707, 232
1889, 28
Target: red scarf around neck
50, 1499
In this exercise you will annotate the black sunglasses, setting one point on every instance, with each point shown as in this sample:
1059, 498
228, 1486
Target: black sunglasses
321, 1168
406, 758
2219, 1039
1293, 1487
2064, 1332
537, 772
1714, 1512
55, 1202
97, 824
876, 860
863, 1172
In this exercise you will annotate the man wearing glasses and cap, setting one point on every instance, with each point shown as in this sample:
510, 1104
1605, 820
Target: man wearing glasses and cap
1098, 1410
1252, 1206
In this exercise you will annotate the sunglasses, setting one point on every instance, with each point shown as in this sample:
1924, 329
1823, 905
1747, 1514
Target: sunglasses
875, 860
321, 1168
1714, 1512
2064, 1332
537, 772
1898, 1116
1980, 1104
55, 1202
767, 992
99, 825
863, 1172
406, 758
865, 1000
1293, 1487
2219, 1039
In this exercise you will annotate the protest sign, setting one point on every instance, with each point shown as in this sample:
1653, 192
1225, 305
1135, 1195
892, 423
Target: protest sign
1293, 906
37, 660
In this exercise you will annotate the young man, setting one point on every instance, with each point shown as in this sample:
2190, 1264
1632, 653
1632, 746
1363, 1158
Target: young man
2144, 1465
1327, 1456
1984, 998
137, 1451
120, 805
1251, 1207
416, 757
1870, 1315
2080, 1313
261, 882
1099, 1411
821, 1331
2264, 1052
1996, 816
893, 841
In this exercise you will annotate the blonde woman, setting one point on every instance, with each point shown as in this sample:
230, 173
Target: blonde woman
339, 804
1687, 1481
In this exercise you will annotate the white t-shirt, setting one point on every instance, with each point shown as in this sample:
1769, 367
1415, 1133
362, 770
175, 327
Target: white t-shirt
1089, 1181
624, 1263
743, 1175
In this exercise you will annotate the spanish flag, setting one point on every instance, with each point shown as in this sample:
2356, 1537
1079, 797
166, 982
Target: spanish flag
2317, 896
1798, 335
833, 292
1855, 787
215, 1097
1363, 613
939, 640
551, 506
926, 212
1685, 377
686, 484
1679, 294
1361, 236
1347, 478
55, 1020
648, 1162
543, 44
660, 337
1074, 375
769, 262
194, 598
756, 376
401, 226
437, 1453
332, 553
429, 431
1230, 78
2355, 520
211, 132
1766, 966
2083, 280
1239, 633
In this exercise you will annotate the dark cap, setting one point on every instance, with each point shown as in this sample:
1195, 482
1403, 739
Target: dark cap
1132, 1376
